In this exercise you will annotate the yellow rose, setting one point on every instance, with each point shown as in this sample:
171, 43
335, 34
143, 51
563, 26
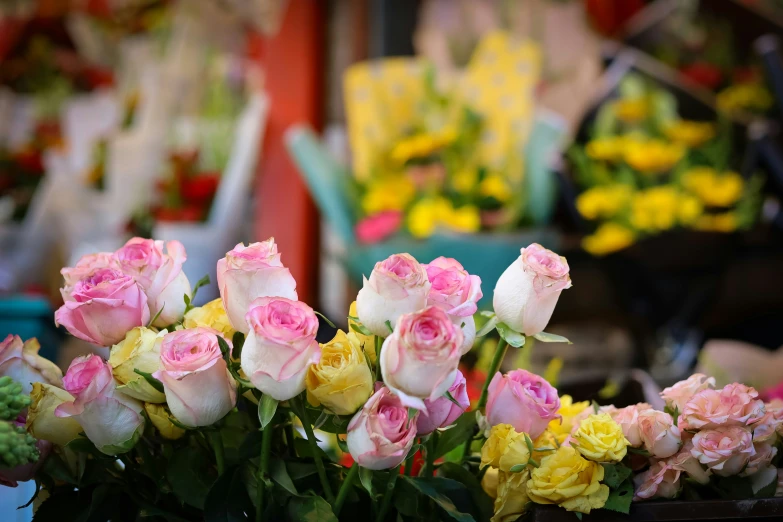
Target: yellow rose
512, 496
211, 315
569, 409
341, 380
367, 342
547, 442
505, 448
600, 439
139, 350
489, 482
41, 421
608, 238
160, 416
569, 480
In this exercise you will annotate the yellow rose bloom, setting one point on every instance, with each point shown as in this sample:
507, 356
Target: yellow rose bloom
41, 422
744, 97
511, 497
160, 417
569, 480
367, 342
139, 350
723, 222
495, 186
600, 439
489, 482
652, 156
608, 238
606, 149
604, 201
465, 219
211, 315
712, 188
504, 448
632, 110
568, 411
690, 133
548, 442
388, 193
341, 380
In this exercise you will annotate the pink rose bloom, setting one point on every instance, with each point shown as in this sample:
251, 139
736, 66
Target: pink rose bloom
13, 476
764, 453
734, 405
250, 272
527, 292
198, 386
628, 419
419, 360
725, 450
770, 426
110, 419
398, 285
85, 267
104, 307
159, 274
441, 412
658, 433
280, 346
678, 395
660, 481
21, 362
376, 228
685, 461
524, 400
381, 434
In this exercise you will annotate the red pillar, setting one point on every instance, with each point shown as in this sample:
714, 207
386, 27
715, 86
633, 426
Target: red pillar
293, 76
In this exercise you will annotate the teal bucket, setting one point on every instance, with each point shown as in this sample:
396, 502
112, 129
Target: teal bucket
28, 317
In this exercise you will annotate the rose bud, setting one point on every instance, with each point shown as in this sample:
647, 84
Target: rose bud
660, 436
140, 350
198, 386
725, 450
419, 360
42, 423
20, 361
527, 292
381, 434
442, 412
103, 308
250, 272
280, 346
524, 400
110, 419
678, 395
398, 285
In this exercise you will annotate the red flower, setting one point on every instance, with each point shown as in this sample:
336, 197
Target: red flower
702, 73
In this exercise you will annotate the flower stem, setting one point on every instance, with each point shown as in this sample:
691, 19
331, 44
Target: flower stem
263, 469
319, 464
409, 464
346, 486
500, 354
429, 465
387, 498
220, 454
378, 345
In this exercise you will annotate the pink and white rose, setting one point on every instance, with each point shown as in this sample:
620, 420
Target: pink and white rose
527, 292
85, 267
250, 272
381, 434
734, 405
20, 361
678, 395
725, 449
660, 481
103, 307
660, 437
280, 346
398, 285
198, 386
769, 428
457, 293
420, 359
159, 273
764, 453
441, 412
109, 418
685, 461
628, 419
524, 400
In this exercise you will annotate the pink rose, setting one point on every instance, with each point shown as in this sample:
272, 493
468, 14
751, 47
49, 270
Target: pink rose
660, 481
85, 267
104, 307
376, 228
764, 453
734, 405
21, 362
381, 434
527, 292
109, 418
419, 360
250, 272
524, 400
280, 346
159, 274
660, 436
628, 419
685, 461
725, 449
441, 412
398, 285
678, 395
198, 386
770, 426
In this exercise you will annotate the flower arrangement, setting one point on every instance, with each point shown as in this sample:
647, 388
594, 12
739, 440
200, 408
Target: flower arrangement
646, 170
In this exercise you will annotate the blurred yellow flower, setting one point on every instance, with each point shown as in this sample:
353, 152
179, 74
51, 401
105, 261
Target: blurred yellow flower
652, 156
495, 186
465, 219
606, 149
712, 188
561, 428
689, 209
744, 96
632, 110
426, 214
421, 145
690, 133
608, 238
655, 209
603, 201
465, 180
569, 480
388, 193
723, 222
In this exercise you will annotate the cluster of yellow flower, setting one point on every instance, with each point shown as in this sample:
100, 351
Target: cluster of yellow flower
422, 145
749, 97
428, 214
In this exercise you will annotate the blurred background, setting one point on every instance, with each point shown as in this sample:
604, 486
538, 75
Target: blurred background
639, 139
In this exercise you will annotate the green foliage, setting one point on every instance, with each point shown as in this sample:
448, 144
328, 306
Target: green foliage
615, 474
620, 498
189, 473
267, 407
12, 400
457, 434
436, 489
310, 509
513, 338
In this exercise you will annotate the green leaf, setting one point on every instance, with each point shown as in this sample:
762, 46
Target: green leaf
328, 321
457, 434
204, 281
360, 328
615, 474
365, 477
179, 425
489, 314
310, 509
675, 413
551, 338
530, 447
189, 473
155, 383
389, 326
157, 314
515, 339
429, 487
637, 451
482, 508
267, 407
332, 423
451, 398
620, 499
227, 500
488, 326
412, 413
238, 341
224, 349
279, 474
516, 468
578, 515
